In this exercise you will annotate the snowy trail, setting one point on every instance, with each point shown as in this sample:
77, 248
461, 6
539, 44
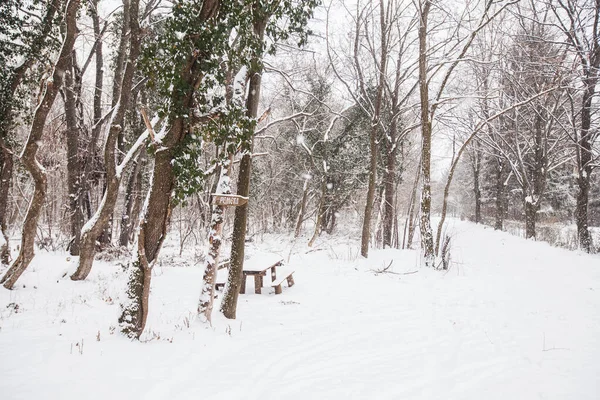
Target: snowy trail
512, 319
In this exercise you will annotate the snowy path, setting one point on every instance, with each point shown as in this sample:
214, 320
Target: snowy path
512, 319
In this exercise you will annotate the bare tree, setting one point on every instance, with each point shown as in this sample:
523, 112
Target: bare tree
430, 106
580, 22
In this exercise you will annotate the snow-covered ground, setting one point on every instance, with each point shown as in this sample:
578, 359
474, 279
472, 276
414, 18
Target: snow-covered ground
512, 319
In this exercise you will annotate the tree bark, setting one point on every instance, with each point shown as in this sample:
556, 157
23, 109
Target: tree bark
28, 156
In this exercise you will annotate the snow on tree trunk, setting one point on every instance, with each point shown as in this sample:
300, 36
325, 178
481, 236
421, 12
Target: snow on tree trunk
207, 293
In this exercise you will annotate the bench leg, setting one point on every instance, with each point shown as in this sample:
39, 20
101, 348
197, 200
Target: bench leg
290, 281
243, 285
278, 289
258, 282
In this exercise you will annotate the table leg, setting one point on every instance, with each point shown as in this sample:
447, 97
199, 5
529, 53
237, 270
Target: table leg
243, 285
258, 282
273, 274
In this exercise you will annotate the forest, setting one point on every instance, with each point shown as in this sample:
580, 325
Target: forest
143, 135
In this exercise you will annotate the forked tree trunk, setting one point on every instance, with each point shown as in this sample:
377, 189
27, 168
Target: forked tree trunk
236, 266
156, 215
91, 231
154, 223
28, 156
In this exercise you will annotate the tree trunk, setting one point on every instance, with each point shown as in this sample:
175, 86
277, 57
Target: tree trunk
389, 212
28, 156
373, 147
132, 196
7, 93
530, 218
121, 63
6, 163
584, 148
154, 224
500, 195
234, 279
215, 238
410, 222
90, 152
320, 212
302, 211
73, 166
476, 186
95, 227
427, 244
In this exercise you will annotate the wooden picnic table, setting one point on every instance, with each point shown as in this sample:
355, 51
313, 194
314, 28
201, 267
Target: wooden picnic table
258, 267
258, 270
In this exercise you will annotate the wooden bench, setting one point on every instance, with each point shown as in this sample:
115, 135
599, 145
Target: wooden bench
283, 274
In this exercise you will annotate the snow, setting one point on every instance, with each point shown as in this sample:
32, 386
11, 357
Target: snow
511, 319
